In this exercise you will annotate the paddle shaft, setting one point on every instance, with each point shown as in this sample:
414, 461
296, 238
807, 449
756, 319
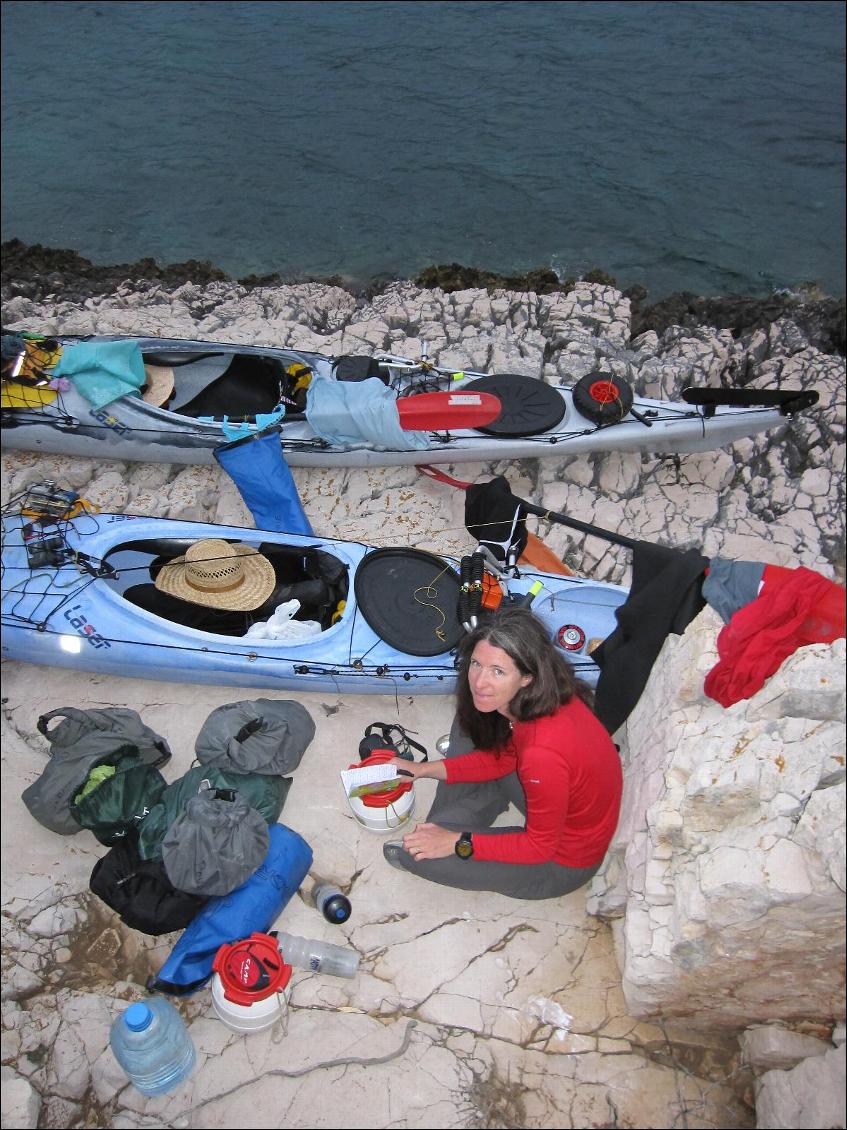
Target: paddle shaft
539, 511
575, 524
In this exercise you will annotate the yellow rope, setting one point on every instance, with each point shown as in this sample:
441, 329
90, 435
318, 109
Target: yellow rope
439, 631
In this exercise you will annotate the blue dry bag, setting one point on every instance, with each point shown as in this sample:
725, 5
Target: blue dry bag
251, 908
257, 467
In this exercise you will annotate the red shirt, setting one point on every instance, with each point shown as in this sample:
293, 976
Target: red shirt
571, 774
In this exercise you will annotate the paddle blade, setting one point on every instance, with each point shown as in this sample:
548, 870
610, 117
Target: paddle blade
537, 554
788, 401
443, 411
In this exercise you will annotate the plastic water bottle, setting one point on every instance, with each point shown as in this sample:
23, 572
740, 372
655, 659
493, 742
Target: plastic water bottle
320, 957
528, 597
333, 905
153, 1046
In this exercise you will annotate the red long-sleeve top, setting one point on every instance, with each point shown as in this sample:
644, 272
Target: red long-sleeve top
571, 774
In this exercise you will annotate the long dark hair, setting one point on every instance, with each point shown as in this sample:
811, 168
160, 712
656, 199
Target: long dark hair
526, 641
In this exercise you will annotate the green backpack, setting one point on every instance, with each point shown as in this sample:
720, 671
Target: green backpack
262, 791
117, 795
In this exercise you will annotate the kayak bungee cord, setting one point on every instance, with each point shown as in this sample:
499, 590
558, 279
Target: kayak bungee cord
354, 668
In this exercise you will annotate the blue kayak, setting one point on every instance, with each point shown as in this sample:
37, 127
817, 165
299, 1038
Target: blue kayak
76, 593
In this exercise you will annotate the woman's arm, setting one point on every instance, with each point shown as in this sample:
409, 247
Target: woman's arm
480, 765
416, 769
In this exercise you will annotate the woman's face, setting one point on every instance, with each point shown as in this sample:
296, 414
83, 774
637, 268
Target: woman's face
494, 678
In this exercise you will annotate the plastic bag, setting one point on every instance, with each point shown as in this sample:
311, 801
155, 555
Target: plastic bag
281, 626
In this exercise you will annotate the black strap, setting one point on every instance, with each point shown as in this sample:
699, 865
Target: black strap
403, 743
72, 712
248, 728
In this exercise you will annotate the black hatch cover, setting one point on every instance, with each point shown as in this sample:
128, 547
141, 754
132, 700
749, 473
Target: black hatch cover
530, 406
410, 598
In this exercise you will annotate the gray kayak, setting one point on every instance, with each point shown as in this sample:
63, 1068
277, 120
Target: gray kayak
197, 392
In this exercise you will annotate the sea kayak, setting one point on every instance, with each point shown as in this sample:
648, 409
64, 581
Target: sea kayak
198, 394
383, 619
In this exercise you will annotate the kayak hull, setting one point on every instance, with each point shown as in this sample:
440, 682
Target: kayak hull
129, 429
66, 615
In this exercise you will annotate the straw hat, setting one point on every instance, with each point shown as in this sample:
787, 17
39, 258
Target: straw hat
158, 385
219, 575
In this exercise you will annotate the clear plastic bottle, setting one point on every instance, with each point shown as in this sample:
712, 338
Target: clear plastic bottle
331, 902
320, 957
153, 1046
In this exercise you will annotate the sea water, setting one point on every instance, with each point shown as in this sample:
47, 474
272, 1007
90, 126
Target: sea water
677, 145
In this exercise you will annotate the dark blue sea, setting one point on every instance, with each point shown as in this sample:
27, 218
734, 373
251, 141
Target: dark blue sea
694, 146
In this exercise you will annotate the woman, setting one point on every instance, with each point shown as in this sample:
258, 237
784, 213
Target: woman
536, 743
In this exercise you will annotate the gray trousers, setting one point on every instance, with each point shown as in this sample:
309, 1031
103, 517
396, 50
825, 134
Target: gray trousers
474, 808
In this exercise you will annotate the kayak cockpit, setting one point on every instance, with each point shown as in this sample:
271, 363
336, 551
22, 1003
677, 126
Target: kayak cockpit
218, 384
317, 580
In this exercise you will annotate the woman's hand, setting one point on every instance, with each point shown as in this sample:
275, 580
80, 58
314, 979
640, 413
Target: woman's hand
430, 841
417, 769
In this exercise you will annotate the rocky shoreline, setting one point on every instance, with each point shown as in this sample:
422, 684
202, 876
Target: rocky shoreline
34, 271
450, 987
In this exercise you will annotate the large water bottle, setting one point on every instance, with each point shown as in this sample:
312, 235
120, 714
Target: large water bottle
320, 957
153, 1046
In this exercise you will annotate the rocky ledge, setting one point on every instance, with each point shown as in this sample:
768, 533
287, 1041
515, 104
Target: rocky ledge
35, 272
722, 898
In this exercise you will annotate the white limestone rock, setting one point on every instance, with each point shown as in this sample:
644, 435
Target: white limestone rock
769, 1047
730, 844
821, 829
21, 1103
55, 920
811, 1095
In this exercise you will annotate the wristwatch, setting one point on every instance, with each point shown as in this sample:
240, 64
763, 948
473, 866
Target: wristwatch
464, 846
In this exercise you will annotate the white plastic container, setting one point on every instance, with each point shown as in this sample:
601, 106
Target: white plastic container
244, 1018
385, 818
384, 812
250, 986
333, 904
320, 957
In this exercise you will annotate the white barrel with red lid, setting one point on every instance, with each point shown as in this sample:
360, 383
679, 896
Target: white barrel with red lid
250, 983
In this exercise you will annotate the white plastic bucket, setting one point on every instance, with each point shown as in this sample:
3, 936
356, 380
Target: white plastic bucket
388, 819
250, 984
385, 813
255, 1017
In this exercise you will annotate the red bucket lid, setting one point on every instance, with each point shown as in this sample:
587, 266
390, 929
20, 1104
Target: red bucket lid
251, 969
388, 796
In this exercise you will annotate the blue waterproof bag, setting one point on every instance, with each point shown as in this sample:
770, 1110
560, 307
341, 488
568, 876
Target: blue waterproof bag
257, 467
251, 908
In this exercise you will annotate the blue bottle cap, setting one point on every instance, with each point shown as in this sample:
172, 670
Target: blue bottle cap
337, 909
138, 1017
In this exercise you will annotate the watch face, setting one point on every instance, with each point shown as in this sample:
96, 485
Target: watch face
464, 848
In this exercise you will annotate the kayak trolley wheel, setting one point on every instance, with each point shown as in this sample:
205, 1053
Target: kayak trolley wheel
602, 398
